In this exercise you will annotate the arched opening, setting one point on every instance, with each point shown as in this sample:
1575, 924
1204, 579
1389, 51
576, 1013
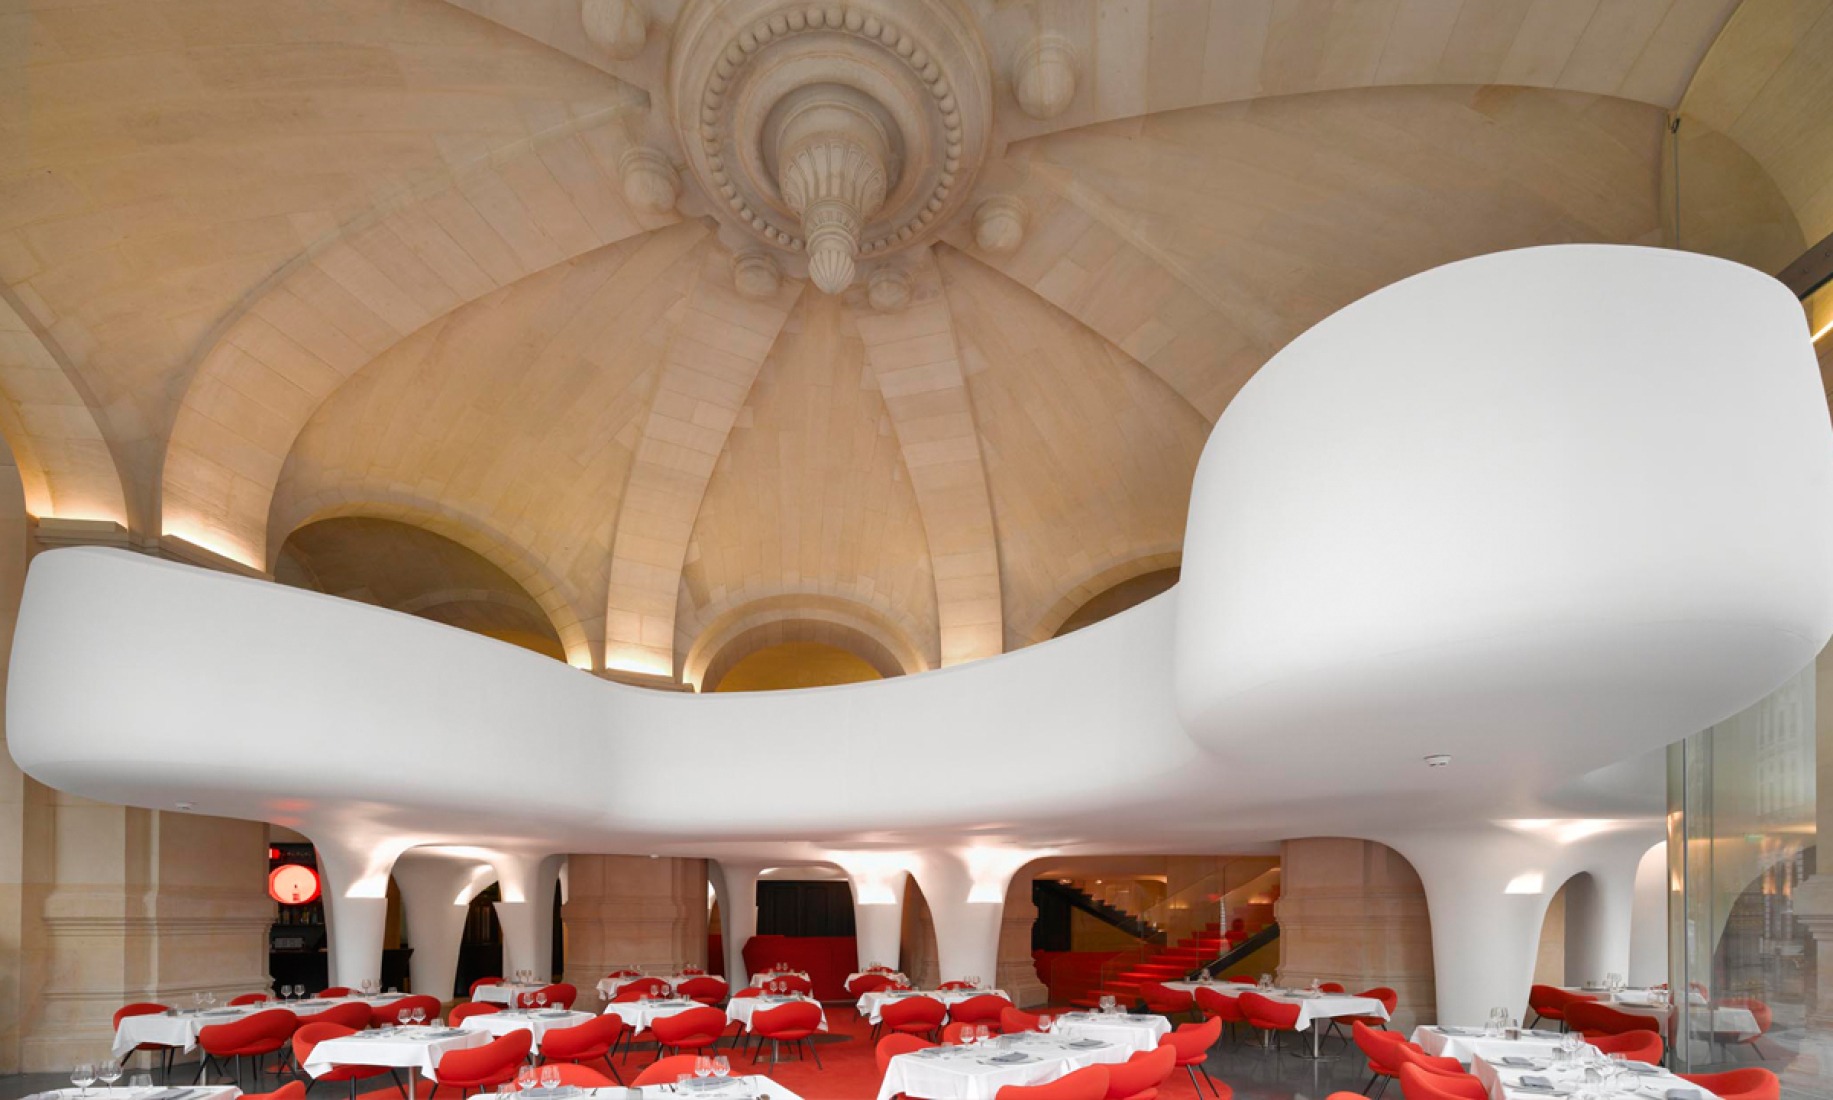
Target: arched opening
790, 665
1117, 598
415, 571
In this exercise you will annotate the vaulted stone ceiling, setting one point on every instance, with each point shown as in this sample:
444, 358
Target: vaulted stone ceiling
280, 278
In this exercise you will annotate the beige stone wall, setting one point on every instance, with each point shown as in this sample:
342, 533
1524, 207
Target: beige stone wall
632, 911
21, 859
1550, 961
1017, 973
1354, 911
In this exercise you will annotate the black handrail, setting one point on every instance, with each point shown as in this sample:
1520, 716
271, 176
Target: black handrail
1119, 918
1237, 953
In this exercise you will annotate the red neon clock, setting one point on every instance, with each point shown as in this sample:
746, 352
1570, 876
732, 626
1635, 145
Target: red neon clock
293, 884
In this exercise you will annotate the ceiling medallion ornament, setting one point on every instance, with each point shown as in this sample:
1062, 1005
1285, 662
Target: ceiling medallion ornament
831, 132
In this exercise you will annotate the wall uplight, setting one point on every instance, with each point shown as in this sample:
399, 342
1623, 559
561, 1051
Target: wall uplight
1531, 882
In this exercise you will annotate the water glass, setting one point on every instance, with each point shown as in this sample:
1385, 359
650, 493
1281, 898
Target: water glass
550, 1077
703, 1066
721, 1066
404, 1016
1045, 1023
527, 1077
140, 1081
506, 1091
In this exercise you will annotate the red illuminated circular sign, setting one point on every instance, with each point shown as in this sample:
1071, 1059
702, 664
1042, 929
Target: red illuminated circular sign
293, 884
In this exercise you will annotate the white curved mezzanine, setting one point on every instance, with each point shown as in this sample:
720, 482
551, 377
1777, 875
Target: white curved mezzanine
1543, 511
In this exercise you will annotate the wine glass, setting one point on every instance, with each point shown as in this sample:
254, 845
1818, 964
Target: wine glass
83, 1076
1045, 1023
140, 1081
420, 1015
550, 1077
721, 1065
506, 1091
541, 999
703, 1066
527, 1077
108, 1071
404, 1016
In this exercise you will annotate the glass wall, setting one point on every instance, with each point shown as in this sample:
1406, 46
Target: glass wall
1741, 825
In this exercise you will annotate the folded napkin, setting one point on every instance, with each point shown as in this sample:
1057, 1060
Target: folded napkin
1456, 1030
1535, 1081
1015, 1057
1642, 1067
1683, 1094
1087, 1044
931, 1052
1517, 1061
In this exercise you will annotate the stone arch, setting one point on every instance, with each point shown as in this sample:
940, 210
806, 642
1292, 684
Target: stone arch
67, 469
867, 631
1096, 582
529, 573
838, 635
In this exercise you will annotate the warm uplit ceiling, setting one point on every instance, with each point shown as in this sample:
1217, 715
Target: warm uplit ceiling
355, 295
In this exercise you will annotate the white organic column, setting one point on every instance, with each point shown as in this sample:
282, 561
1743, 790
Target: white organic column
1486, 896
436, 893
966, 893
1648, 920
737, 914
526, 910
356, 906
878, 883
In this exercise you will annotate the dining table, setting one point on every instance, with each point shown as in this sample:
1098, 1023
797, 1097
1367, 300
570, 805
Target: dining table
751, 1086
1542, 1078
129, 1092
1466, 1043
608, 987
640, 1014
870, 1004
178, 1027
412, 1048
741, 1009
1313, 1006
534, 1020
1136, 1031
1705, 1019
980, 1070
506, 993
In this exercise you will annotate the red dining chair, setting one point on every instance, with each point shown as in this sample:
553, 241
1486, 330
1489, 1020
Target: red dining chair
913, 1016
984, 1009
483, 1068
292, 1090
389, 1015
1411, 1054
1331, 987
1423, 1084
1087, 1083
580, 1077
636, 990
310, 1035
792, 1023
247, 999
1193, 1042
586, 1042
954, 986
1640, 1046
951, 1033
254, 1037
351, 1014
867, 983
1165, 1001
469, 1009
616, 974
1389, 999
708, 991
1759, 1011
893, 1045
665, 1071
1014, 1020
1591, 1020
1218, 1006
1141, 1076
481, 983
334, 991
696, 1029
749, 991
1379, 1048
1749, 1083
1346, 1095
1269, 1017
166, 1051
559, 994
1549, 1002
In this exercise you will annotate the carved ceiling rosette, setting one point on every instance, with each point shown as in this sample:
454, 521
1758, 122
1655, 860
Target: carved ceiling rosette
832, 133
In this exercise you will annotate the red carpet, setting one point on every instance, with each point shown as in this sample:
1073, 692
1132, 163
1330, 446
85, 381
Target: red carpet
848, 1071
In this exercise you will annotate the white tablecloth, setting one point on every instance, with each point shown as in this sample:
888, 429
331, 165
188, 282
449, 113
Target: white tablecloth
502, 1023
870, 1003
734, 1088
402, 1047
760, 979
1465, 1043
1135, 1033
175, 1029
640, 1014
1730, 1020
896, 975
1322, 1006
503, 993
121, 1092
1502, 1082
741, 1008
608, 987
966, 1073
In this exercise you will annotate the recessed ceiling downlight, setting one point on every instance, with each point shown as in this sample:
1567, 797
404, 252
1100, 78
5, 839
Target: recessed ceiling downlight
1437, 760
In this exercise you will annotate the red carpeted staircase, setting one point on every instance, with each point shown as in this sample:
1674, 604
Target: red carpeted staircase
1166, 964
